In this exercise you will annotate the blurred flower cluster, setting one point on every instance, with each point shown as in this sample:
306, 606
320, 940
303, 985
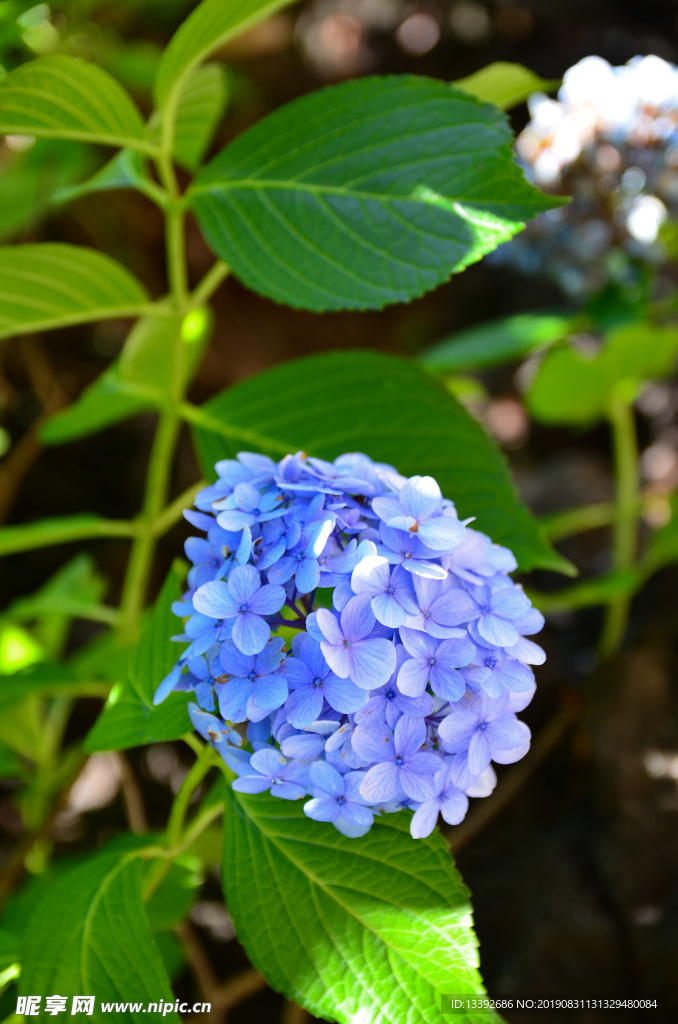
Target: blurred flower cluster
610, 141
408, 654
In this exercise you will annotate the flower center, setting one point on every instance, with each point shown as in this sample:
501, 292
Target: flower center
252, 676
317, 681
243, 609
483, 727
491, 662
486, 609
390, 589
432, 661
390, 694
341, 801
399, 761
347, 643
277, 781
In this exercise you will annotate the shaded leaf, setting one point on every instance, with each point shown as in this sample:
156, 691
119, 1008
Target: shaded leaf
364, 194
496, 341
129, 718
90, 935
207, 28
67, 98
575, 387
389, 408
52, 285
201, 106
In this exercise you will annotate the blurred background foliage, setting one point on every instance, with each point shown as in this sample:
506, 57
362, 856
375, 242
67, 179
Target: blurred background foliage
572, 321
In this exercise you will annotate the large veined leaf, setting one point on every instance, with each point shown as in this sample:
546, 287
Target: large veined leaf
123, 171
370, 930
54, 285
129, 718
200, 107
364, 194
67, 98
393, 411
506, 85
89, 935
207, 28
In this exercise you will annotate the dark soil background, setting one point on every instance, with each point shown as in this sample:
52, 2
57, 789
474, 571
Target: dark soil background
572, 863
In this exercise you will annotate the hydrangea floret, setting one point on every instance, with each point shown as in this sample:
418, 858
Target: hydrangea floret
351, 642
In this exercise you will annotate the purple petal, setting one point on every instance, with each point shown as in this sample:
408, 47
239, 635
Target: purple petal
380, 783
413, 677
322, 809
329, 627
250, 633
357, 619
357, 815
270, 691
338, 658
288, 791
424, 820
388, 610
243, 583
374, 743
441, 533
410, 735
343, 695
447, 683
372, 662
514, 676
251, 784
416, 785
303, 706
233, 661
327, 779
267, 600
479, 753
454, 807
497, 631
510, 604
215, 600
417, 643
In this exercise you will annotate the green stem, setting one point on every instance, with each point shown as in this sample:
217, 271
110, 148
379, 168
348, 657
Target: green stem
572, 521
175, 826
155, 499
173, 512
210, 282
627, 476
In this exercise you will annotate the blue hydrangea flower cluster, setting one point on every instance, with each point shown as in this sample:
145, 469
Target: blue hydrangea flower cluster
351, 642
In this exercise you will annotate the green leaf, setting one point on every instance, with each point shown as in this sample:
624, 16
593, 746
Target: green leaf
370, 929
9, 950
125, 170
495, 342
575, 387
90, 936
137, 382
129, 718
389, 408
54, 285
30, 180
201, 106
210, 26
147, 359
60, 530
174, 897
364, 194
105, 402
44, 680
505, 85
74, 585
67, 98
